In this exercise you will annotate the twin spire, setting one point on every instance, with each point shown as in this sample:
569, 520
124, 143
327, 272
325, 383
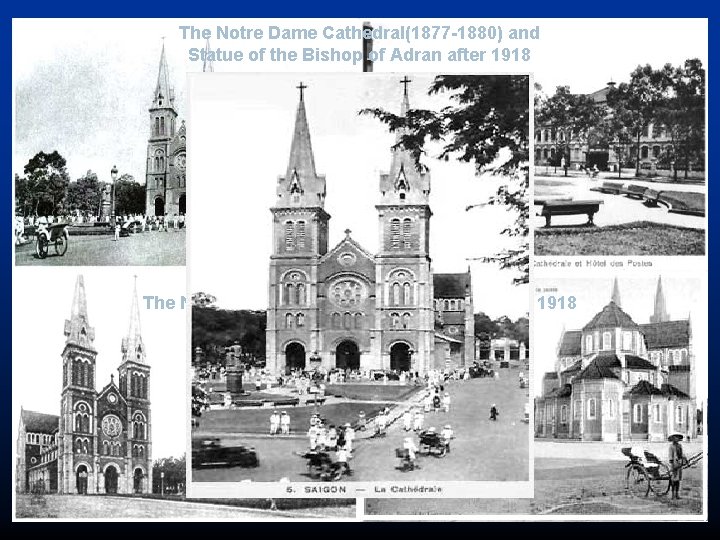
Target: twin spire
660, 313
78, 331
164, 96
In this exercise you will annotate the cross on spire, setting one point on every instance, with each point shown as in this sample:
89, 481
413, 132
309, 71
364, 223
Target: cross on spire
405, 81
301, 87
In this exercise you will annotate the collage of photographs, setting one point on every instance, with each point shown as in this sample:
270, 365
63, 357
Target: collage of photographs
434, 294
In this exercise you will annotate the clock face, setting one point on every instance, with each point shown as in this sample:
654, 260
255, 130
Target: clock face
111, 425
112, 398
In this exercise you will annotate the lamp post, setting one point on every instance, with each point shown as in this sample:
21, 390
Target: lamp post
113, 175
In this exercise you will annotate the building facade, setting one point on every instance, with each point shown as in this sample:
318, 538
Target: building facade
101, 441
165, 180
616, 380
344, 307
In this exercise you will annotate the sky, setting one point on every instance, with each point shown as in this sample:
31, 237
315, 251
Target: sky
685, 295
39, 315
250, 118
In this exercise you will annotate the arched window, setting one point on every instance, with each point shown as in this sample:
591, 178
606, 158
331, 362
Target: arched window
395, 233
288, 294
358, 321
607, 341
78, 446
591, 409
347, 321
289, 320
162, 125
300, 320
407, 297
289, 236
78, 422
563, 414
679, 414
336, 320
85, 446
396, 294
106, 448
446, 305
157, 125
644, 152
637, 413
406, 320
300, 298
141, 451
395, 320
301, 234
407, 226
684, 356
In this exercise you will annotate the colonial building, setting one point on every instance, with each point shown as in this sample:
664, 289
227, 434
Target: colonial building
617, 380
165, 181
101, 442
344, 307
551, 144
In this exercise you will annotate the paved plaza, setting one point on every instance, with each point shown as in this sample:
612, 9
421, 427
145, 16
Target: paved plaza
151, 248
616, 209
483, 450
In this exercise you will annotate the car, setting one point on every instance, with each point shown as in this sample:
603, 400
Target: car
131, 227
211, 452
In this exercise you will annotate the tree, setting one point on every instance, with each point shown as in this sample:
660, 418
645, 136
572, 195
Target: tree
47, 181
85, 194
573, 115
174, 478
129, 196
487, 125
484, 324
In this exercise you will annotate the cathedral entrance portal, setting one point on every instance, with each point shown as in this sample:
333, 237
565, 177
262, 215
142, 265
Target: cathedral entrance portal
138, 480
400, 357
347, 355
111, 479
294, 357
159, 206
81, 479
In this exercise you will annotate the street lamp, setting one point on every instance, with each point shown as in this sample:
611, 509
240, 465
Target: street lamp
113, 175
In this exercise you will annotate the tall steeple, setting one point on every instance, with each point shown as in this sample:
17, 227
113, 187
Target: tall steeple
132, 345
77, 329
660, 314
207, 64
301, 185
616, 293
164, 96
403, 184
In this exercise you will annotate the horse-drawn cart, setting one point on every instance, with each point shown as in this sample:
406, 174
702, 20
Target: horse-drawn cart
56, 234
646, 473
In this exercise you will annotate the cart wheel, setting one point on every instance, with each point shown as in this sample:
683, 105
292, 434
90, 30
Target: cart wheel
41, 246
638, 482
660, 484
61, 243
442, 450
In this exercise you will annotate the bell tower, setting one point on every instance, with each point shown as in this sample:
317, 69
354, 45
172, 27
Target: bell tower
300, 239
404, 295
76, 429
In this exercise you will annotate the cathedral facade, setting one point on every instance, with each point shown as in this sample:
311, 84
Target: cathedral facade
165, 179
346, 308
617, 380
101, 441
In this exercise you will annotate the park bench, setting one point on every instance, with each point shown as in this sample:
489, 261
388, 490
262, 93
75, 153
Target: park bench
570, 208
634, 191
613, 188
247, 403
288, 401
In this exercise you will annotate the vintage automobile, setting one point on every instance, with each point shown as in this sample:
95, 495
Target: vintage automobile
131, 227
211, 452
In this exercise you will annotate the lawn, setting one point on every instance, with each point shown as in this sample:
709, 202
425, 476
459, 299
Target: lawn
637, 238
371, 392
258, 420
684, 202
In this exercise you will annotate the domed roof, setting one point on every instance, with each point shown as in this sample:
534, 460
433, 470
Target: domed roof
611, 316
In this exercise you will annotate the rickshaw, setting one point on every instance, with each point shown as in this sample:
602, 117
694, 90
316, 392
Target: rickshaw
431, 443
55, 233
648, 473
320, 465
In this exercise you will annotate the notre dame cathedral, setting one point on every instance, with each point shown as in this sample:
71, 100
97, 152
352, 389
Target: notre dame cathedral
165, 180
345, 307
101, 442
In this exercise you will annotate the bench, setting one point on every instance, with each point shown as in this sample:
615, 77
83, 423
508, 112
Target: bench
570, 208
288, 401
613, 188
634, 191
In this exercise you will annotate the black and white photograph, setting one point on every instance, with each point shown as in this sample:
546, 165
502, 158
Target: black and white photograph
364, 315
99, 157
619, 402
620, 168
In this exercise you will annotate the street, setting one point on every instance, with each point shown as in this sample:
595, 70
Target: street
151, 248
483, 450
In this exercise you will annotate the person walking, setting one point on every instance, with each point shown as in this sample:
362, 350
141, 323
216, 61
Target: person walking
494, 412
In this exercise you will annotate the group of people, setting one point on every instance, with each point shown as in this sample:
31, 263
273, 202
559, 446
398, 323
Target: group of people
329, 438
279, 423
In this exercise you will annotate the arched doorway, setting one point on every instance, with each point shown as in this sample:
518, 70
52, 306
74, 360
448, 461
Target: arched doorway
81, 479
294, 357
400, 357
138, 477
159, 206
181, 204
111, 479
347, 355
